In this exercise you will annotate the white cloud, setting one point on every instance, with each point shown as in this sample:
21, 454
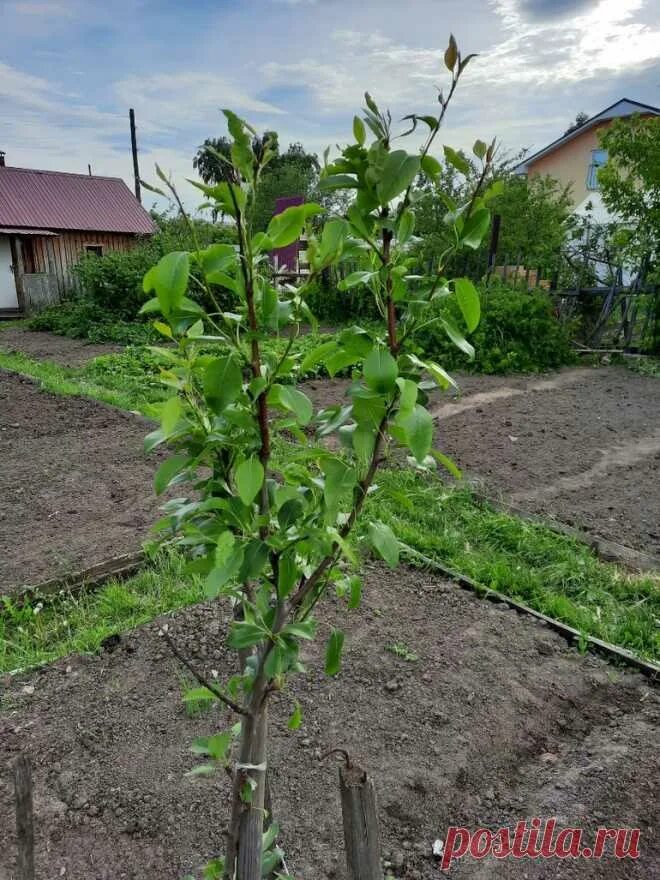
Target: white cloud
172, 100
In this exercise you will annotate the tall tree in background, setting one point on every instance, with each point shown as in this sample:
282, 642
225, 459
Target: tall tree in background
580, 119
292, 173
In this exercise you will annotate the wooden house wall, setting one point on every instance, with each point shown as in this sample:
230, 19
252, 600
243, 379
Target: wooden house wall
58, 254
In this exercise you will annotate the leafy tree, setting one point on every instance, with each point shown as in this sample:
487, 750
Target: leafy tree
580, 119
270, 532
630, 183
535, 213
294, 173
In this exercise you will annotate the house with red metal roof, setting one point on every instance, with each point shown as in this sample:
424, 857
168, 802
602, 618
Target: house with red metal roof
48, 220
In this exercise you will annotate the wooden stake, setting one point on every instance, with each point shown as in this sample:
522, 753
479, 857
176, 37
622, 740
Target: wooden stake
361, 830
24, 819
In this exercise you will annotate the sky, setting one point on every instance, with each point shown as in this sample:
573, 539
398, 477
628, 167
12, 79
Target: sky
70, 70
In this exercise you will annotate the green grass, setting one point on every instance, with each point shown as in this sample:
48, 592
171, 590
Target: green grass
113, 379
43, 630
546, 570
128, 380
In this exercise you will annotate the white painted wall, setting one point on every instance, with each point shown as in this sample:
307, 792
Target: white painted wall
8, 297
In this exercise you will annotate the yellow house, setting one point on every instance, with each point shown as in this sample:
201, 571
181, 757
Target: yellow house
575, 157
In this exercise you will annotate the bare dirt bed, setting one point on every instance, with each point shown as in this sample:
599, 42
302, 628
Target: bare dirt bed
580, 445
496, 721
75, 485
51, 347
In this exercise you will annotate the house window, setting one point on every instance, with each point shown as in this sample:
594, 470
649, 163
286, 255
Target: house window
598, 159
96, 249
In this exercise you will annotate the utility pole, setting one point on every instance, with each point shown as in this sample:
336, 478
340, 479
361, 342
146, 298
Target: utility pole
136, 168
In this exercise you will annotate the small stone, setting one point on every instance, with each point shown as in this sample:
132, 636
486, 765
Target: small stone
548, 758
392, 686
28, 690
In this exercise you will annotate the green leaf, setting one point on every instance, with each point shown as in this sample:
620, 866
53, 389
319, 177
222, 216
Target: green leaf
302, 630
479, 149
380, 370
418, 429
289, 398
340, 479
362, 223
317, 355
468, 301
332, 241
355, 592
255, 558
398, 173
295, 720
359, 131
287, 227
459, 162
447, 463
170, 414
406, 226
407, 395
249, 477
384, 543
170, 280
168, 470
222, 383
475, 227
431, 167
338, 181
457, 337
217, 257
243, 634
333, 652
228, 561
355, 278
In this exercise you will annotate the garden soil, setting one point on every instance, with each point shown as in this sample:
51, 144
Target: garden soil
75, 486
581, 446
43, 346
495, 720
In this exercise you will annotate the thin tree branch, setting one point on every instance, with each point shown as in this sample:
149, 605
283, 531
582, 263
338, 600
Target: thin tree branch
240, 710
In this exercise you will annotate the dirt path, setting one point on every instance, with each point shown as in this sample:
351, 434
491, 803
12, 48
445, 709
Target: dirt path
581, 445
51, 347
75, 485
496, 721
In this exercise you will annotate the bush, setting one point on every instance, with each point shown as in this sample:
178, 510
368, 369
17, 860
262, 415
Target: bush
81, 318
518, 333
113, 282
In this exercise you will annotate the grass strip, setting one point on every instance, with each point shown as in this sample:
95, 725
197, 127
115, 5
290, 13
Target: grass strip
118, 391
550, 572
41, 631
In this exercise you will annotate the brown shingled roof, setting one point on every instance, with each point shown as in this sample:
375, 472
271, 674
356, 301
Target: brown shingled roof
58, 200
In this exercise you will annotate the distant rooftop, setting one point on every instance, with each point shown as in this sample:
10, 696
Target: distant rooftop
624, 107
57, 200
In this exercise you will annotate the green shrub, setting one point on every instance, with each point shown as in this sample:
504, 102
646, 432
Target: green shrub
518, 333
114, 281
334, 306
81, 318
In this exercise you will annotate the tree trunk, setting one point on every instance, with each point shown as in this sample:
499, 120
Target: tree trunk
361, 831
252, 766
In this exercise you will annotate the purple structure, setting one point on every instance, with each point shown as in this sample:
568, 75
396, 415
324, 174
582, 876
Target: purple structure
286, 258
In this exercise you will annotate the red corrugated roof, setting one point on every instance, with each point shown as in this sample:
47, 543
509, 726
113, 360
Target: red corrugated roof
58, 200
